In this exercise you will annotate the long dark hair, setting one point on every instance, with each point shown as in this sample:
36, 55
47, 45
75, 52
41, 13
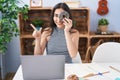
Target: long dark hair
63, 6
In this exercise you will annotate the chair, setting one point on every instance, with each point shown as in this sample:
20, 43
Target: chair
91, 50
76, 59
107, 52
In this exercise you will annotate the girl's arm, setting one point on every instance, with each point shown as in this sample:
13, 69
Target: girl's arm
71, 38
40, 41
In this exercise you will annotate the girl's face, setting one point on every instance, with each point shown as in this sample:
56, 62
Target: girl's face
56, 18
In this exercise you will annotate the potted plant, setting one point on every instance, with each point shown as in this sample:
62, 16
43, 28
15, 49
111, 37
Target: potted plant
103, 25
38, 23
9, 11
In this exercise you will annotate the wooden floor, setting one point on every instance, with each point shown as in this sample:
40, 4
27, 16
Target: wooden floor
9, 76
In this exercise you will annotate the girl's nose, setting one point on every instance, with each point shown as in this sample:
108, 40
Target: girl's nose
58, 19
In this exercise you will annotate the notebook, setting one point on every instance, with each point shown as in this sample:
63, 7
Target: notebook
50, 67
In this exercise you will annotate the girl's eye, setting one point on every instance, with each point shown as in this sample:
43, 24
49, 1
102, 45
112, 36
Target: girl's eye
56, 15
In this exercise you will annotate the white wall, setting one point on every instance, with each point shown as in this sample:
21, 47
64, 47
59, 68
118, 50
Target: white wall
12, 57
112, 16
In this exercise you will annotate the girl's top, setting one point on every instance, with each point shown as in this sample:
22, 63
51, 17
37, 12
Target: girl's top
57, 44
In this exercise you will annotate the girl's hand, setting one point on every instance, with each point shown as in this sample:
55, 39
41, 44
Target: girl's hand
67, 23
36, 33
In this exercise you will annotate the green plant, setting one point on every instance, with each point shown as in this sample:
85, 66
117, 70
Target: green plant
9, 10
103, 21
38, 22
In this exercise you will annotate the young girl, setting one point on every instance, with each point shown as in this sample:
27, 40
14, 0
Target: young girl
60, 38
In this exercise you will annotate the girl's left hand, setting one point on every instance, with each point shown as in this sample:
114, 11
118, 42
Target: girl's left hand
68, 24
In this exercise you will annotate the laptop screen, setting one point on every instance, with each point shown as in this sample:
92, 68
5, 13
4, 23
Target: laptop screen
43, 67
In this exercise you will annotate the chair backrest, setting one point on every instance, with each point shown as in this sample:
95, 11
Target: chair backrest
76, 59
91, 50
107, 52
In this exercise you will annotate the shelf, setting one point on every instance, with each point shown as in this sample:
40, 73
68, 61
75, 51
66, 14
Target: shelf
84, 35
113, 34
42, 8
49, 8
26, 36
81, 16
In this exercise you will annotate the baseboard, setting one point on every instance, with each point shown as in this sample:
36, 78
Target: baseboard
9, 76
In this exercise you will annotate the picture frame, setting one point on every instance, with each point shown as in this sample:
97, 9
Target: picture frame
35, 3
72, 3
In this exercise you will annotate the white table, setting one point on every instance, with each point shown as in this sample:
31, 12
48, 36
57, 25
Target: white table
84, 69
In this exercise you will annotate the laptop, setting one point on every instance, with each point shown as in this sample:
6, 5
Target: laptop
50, 67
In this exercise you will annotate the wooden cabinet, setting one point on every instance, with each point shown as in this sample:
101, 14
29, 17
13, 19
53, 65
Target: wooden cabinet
81, 18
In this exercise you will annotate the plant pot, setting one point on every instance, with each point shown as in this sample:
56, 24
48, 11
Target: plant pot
103, 28
38, 27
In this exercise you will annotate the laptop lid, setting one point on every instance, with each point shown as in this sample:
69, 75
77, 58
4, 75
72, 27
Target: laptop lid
43, 67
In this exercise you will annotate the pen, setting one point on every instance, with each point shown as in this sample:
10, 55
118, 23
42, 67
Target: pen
114, 69
92, 74
33, 26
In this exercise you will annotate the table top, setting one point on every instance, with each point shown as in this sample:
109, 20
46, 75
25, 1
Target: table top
111, 71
